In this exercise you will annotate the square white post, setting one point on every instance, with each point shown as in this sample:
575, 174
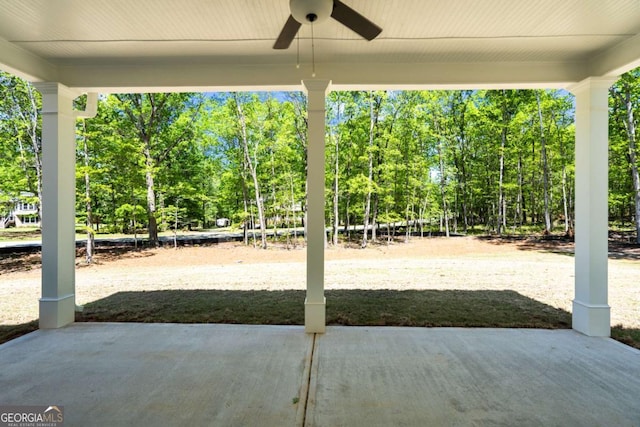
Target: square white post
591, 312
57, 305
314, 306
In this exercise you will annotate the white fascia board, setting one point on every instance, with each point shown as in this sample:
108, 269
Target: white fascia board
181, 76
457, 76
178, 76
24, 64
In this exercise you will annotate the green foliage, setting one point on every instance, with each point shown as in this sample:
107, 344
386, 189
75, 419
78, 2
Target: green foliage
20, 138
129, 217
624, 151
276, 150
472, 157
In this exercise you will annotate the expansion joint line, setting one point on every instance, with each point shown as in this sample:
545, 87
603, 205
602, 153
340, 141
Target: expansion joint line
308, 381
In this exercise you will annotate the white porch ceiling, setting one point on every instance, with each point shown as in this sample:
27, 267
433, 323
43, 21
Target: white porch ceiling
118, 45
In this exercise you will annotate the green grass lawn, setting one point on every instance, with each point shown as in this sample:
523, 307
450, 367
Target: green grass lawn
432, 308
9, 332
630, 337
416, 308
450, 308
505, 309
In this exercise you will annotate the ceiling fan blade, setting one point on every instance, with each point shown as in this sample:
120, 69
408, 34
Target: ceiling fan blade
287, 34
352, 19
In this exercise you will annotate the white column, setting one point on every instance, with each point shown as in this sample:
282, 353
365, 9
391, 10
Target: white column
57, 305
314, 306
591, 312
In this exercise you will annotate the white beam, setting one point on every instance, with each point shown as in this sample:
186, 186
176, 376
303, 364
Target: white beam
57, 305
453, 76
24, 64
314, 321
591, 312
202, 76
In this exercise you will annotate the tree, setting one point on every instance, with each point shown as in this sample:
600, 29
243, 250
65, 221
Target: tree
470, 159
545, 169
626, 99
336, 108
85, 170
22, 129
375, 103
251, 164
263, 163
159, 124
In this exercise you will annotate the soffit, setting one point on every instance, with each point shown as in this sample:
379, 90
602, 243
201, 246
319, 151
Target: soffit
120, 42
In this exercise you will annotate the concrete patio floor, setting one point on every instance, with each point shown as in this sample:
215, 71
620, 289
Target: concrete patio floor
107, 374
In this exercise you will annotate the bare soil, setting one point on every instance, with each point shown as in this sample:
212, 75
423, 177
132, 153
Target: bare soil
541, 269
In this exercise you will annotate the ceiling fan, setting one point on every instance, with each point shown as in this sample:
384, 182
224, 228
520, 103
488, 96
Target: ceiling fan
316, 11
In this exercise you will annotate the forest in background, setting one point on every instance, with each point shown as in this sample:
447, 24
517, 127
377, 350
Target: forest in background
491, 161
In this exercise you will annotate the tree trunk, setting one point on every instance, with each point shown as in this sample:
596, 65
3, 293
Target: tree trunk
175, 226
565, 205
566, 208
347, 202
533, 213
336, 176
253, 172
374, 218
23, 158
520, 201
293, 212
373, 118
545, 169
421, 219
347, 222
336, 199
151, 194
245, 204
276, 211
90, 245
443, 194
502, 205
423, 211
407, 219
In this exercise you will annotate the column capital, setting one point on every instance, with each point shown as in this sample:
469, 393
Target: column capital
316, 85
592, 83
54, 88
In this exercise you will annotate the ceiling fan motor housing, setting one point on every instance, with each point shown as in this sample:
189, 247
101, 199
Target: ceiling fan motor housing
308, 11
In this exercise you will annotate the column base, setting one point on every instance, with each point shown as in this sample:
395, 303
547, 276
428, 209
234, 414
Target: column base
315, 317
593, 320
57, 312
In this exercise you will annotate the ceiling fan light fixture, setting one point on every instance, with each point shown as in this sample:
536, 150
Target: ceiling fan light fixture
316, 11
311, 11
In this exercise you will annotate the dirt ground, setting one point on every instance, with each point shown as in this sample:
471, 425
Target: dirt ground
536, 268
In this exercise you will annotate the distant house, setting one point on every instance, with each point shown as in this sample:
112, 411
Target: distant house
23, 213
